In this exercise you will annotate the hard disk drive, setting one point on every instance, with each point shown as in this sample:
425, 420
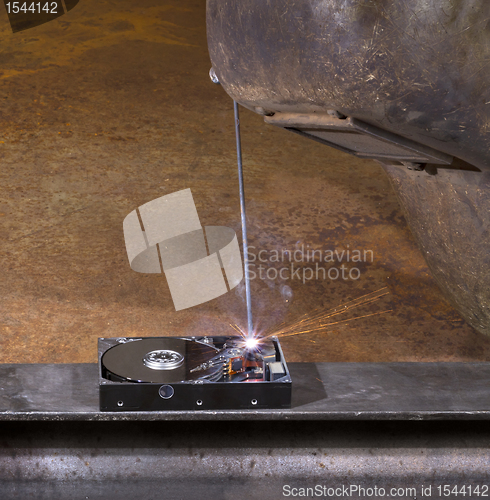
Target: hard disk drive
192, 373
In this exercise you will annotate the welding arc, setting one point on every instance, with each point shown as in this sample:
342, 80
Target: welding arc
244, 220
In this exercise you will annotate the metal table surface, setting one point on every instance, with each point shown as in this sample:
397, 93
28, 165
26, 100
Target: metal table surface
321, 391
56, 444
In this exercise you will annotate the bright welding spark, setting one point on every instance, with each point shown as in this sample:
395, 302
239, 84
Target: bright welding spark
251, 343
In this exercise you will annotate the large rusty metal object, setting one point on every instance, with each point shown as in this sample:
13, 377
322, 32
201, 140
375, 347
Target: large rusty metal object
416, 70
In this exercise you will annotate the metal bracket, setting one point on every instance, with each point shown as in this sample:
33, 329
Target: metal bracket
358, 138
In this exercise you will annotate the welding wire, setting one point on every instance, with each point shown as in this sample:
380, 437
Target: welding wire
244, 220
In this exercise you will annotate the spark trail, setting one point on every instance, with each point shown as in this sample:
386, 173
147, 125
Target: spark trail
319, 320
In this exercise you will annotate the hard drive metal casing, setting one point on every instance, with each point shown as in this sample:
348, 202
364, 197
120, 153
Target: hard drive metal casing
188, 395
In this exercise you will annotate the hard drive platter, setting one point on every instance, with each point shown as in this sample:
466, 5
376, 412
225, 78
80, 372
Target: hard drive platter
162, 360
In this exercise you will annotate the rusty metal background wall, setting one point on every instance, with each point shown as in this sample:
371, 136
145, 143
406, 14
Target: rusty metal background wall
231, 460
